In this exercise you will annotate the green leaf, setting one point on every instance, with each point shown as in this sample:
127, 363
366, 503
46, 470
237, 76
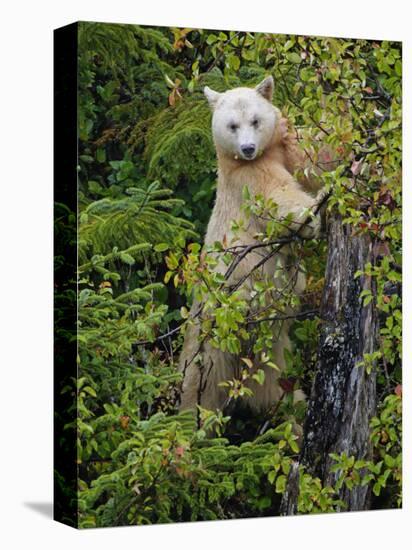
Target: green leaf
245, 193
101, 155
280, 484
293, 57
184, 312
264, 502
259, 376
367, 299
89, 390
377, 488
127, 258
161, 247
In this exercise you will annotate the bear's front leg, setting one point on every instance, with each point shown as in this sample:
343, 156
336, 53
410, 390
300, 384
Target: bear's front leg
291, 199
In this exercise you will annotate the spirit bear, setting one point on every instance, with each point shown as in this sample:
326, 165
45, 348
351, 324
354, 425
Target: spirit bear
254, 150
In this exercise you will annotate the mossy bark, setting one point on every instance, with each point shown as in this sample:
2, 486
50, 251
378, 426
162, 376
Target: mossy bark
343, 396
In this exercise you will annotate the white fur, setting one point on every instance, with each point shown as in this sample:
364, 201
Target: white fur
241, 117
265, 173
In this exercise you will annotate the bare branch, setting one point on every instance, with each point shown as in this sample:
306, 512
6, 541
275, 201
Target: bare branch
296, 315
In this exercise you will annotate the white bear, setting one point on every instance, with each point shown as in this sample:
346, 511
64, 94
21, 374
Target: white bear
252, 150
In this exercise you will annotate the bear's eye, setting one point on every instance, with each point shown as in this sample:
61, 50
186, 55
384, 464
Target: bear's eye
255, 123
233, 127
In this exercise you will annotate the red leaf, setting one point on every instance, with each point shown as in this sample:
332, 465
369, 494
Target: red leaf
382, 249
398, 390
386, 199
124, 422
287, 384
180, 451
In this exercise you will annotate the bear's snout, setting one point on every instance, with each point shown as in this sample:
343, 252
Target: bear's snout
248, 150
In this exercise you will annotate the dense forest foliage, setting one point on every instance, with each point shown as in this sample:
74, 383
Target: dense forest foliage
147, 176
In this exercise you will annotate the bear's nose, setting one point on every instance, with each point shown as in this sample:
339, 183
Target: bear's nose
248, 150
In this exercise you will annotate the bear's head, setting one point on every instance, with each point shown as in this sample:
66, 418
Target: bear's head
244, 119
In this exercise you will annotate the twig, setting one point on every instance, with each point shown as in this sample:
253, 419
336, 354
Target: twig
170, 333
280, 245
296, 315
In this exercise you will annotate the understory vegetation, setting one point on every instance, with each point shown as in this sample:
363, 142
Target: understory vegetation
147, 177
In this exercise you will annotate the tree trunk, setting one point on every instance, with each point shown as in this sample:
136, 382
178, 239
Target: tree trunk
343, 397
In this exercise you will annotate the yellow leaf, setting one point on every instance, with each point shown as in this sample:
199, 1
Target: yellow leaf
247, 361
169, 81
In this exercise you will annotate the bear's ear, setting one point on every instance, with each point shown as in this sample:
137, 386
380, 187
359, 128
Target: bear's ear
211, 96
265, 88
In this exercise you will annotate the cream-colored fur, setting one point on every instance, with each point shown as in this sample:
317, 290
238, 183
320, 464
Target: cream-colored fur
268, 173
